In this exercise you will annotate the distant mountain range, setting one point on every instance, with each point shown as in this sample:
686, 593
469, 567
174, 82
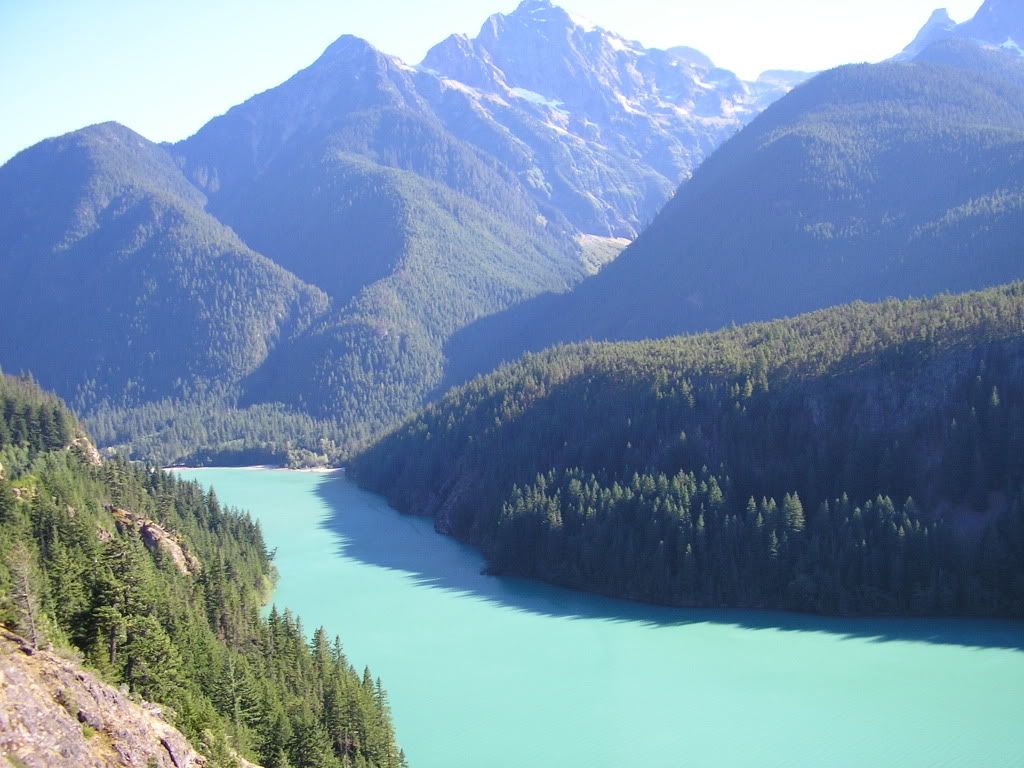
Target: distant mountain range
609, 127
870, 181
317, 245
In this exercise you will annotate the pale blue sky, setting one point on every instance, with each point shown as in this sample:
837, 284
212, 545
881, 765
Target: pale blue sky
165, 68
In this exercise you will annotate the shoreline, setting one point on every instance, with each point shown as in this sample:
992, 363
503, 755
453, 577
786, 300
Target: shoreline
253, 467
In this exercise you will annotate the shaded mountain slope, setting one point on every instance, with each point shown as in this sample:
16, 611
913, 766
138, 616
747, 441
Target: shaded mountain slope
120, 286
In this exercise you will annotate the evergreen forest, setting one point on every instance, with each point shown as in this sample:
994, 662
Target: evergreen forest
159, 587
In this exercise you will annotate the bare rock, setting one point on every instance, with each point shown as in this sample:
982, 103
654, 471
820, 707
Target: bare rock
86, 450
53, 713
156, 537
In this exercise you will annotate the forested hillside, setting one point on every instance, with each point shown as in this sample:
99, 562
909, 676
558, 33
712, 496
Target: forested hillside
323, 259
413, 232
867, 182
117, 285
154, 584
862, 459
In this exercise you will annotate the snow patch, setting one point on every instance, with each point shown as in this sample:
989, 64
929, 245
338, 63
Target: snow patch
455, 85
1011, 45
627, 105
535, 98
618, 44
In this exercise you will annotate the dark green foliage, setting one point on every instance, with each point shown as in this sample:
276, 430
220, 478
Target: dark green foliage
867, 182
706, 470
76, 572
32, 420
208, 430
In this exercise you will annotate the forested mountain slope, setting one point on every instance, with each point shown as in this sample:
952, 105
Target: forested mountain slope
116, 284
422, 203
413, 244
869, 181
155, 586
861, 459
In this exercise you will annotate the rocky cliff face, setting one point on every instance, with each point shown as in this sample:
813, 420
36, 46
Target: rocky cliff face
86, 449
53, 713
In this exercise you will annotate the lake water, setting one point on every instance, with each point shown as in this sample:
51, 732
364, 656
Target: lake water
502, 673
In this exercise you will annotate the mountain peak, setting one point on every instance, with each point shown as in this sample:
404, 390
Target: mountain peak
542, 13
458, 57
349, 47
938, 27
534, 7
997, 23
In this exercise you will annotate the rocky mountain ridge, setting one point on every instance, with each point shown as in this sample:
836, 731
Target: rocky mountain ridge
997, 24
896, 179
574, 111
568, 89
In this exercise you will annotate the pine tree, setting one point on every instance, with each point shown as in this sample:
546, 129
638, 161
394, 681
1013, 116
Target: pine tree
25, 592
793, 514
152, 662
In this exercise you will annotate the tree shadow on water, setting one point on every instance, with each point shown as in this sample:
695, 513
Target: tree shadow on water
369, 531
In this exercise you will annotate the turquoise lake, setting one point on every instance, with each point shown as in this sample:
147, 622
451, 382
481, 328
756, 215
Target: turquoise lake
502, 673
